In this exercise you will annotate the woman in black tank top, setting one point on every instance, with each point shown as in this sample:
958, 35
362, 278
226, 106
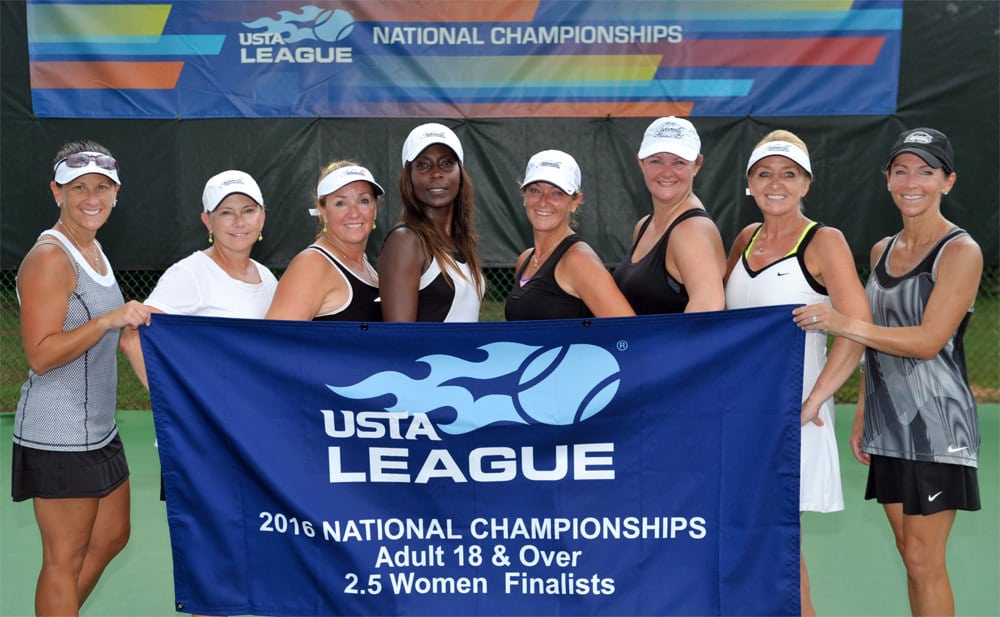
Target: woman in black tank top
332, 279
560, 277
676, 263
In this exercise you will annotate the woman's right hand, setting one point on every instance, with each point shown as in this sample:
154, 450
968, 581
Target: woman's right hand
132, 314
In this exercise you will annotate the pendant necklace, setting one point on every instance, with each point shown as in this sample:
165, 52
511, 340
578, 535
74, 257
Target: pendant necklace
94, 257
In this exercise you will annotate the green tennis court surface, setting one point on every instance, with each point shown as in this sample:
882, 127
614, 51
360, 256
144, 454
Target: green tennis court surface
851, 555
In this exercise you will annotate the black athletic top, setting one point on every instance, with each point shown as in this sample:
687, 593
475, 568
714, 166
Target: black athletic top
540, 297
363, 304
646, 284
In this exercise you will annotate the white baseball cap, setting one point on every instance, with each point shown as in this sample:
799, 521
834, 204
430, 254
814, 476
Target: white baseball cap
224, 184
555, 167
780, 148
670, 134
428, 135
342, 176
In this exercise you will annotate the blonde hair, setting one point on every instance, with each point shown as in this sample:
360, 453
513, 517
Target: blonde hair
783, 135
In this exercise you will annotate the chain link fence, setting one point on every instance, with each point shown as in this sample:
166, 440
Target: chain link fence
981, 339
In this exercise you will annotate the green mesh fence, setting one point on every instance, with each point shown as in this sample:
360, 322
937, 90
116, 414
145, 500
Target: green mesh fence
981, 345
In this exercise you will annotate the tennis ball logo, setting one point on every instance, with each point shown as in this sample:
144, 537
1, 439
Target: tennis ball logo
566, 384
332, 25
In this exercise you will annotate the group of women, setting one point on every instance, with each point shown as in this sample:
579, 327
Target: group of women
915, 424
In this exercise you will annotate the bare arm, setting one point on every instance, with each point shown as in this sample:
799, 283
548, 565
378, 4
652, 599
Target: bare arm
400, 265
739, 245
959, 269
580, 273
695, 257
858, 428
309, 284
131, 346
830, 261
45, 282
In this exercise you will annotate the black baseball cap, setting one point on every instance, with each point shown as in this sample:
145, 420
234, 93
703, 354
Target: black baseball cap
929, 144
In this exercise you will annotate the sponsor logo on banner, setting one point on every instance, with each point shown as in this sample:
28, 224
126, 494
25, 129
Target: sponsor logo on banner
515, 384
293, 36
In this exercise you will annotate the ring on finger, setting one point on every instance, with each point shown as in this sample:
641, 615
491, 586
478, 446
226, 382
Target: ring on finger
814, 319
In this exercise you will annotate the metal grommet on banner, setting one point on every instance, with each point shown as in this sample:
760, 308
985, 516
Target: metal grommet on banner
364, 327
586, 323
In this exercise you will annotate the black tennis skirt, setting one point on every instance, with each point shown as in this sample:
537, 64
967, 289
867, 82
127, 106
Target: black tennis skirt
53, 475
923, 487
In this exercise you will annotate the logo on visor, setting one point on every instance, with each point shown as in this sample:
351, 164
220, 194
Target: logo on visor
515, 383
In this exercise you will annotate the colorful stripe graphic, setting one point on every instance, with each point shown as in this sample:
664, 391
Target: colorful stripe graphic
469, 59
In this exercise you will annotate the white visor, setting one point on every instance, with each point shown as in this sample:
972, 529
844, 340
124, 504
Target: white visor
780, 148
64, 174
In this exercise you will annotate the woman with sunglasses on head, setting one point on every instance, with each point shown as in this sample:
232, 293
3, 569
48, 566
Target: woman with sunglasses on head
221, 280
428, 268
560, 277
68, 457
916, 425
790, 259
332, 280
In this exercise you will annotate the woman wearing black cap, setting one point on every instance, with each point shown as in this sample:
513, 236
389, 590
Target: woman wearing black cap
68, 457
916, 425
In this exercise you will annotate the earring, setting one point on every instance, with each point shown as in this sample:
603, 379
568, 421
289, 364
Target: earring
324, 227
114, 203
211, 238
59, 204
945, 193
260, 236
375, 225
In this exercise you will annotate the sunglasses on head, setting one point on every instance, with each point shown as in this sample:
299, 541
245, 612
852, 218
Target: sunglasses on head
82, 159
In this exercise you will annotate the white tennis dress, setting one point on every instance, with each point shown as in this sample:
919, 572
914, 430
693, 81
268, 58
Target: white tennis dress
787, 281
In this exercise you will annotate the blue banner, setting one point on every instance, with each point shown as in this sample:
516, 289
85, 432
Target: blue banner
455, 58
640, 466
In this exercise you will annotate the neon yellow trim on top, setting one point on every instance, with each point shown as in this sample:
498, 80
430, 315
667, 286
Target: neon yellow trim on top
795, 249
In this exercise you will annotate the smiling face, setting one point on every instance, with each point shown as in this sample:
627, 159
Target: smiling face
778, 185
548, 206
349, 212
669, 178
86, 201
436, 176
236, 222
917, 187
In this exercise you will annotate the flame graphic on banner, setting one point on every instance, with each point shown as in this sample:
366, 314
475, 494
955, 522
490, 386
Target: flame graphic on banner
518, 383
313, 23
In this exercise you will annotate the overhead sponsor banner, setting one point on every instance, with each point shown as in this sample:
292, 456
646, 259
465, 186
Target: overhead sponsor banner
642, 466
456, 58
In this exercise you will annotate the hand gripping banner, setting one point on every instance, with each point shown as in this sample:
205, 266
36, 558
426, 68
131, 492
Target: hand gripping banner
639, 466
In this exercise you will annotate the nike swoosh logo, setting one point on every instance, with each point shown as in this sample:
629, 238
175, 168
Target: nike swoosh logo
934, 496
783, 273
953, 449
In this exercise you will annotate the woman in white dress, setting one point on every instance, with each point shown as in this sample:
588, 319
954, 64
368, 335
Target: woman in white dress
790, 259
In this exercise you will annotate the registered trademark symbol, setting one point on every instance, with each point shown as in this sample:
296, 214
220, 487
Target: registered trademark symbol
622, 345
